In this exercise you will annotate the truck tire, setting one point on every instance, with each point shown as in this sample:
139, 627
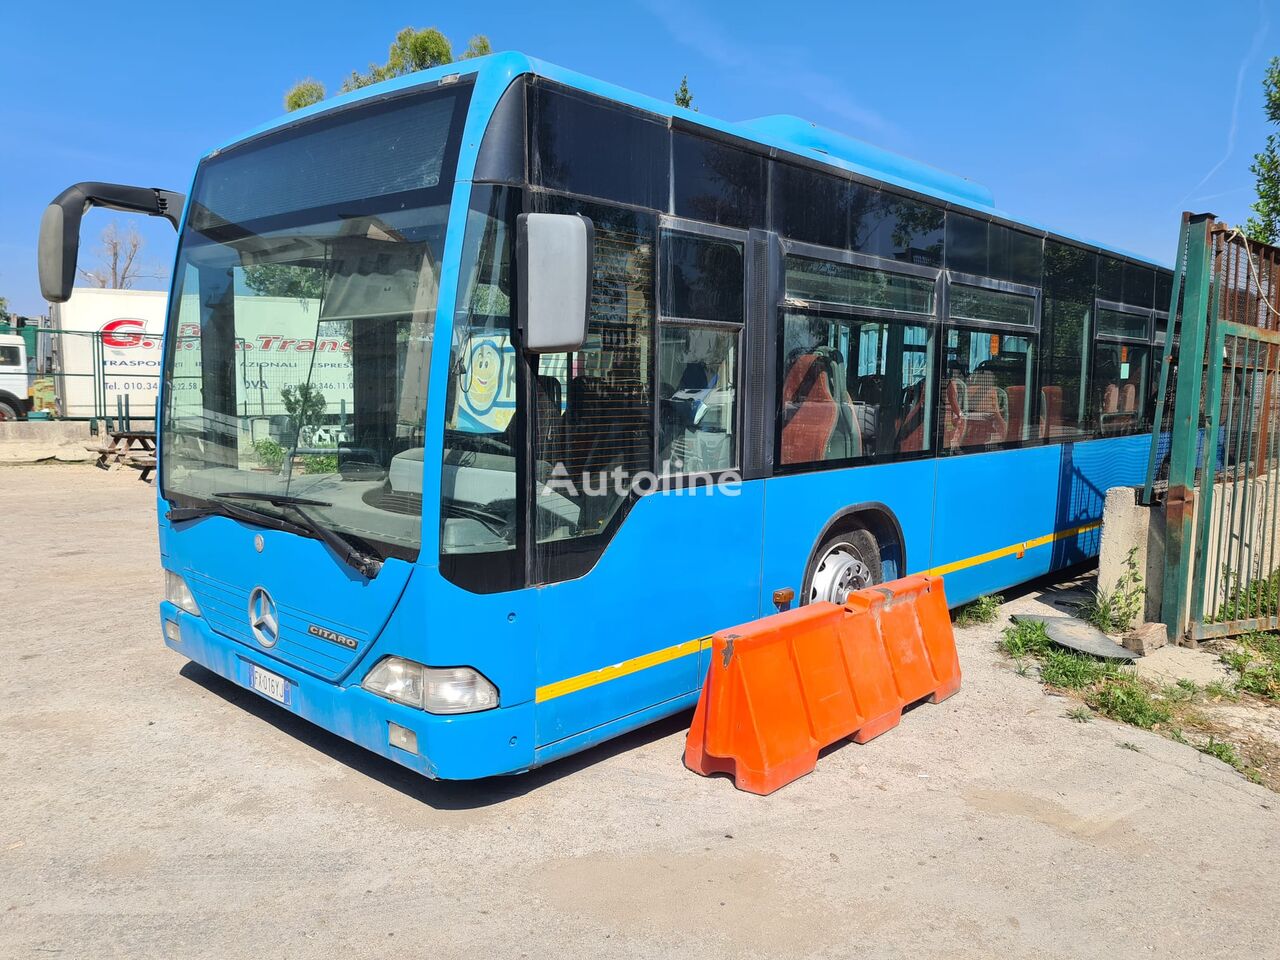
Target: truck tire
846, 560
10, 409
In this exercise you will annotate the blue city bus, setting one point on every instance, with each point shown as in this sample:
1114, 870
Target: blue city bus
491, 391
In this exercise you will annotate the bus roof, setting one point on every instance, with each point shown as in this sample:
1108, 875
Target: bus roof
787, 134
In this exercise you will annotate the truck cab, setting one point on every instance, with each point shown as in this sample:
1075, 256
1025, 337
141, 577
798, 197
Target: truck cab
15, 380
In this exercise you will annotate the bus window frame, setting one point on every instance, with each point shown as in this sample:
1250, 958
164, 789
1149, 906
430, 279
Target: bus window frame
1031, 332
812, 251
672, 224
1155, 354
933, 322
1036, 294
1130, 310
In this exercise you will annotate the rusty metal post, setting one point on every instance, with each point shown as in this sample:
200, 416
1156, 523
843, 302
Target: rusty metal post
1185, 443
1170, 331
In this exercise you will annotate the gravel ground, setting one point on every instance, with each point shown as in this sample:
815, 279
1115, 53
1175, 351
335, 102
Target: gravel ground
151, 809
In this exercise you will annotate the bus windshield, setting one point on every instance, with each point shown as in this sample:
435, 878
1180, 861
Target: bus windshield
302, 317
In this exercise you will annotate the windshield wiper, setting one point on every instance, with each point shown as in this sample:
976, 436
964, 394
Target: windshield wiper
348, 551
494, 523
210, 509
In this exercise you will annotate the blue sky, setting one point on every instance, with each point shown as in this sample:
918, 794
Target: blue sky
1100, 119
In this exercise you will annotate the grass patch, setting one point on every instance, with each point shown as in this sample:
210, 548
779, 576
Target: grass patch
1257, 598
1223, 751
1127, 699
983, 610
1220, 690
1180, 711
1073, 671
1255, 660
1026, 638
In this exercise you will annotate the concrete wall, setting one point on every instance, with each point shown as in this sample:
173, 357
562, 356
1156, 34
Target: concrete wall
46, 431
1126, 525
34, 441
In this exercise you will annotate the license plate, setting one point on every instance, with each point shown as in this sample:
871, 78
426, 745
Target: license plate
266, 682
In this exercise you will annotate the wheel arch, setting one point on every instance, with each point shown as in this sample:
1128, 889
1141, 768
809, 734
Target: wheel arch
878, 520
17, 403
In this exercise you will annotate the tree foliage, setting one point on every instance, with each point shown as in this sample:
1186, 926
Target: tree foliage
4, 310
284, 280
303, 94
683, 97
411, 51
1264, 226
304, 404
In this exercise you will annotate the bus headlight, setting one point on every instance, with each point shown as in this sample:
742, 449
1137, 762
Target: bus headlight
179, 594
433, 689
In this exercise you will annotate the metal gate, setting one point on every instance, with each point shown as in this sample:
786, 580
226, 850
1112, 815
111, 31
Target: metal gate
1218, 413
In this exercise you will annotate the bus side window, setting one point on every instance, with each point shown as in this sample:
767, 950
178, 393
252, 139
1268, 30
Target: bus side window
852, 388
1066, 338
702, 312
604, 437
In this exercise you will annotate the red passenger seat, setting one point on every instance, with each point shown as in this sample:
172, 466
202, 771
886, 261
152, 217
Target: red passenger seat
1017, 401
809, 411
1050, 412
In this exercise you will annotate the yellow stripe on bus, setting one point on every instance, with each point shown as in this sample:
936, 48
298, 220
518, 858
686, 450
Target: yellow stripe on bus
594, 677
604, 674
1010, 551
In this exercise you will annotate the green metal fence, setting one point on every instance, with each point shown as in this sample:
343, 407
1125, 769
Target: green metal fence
1218, 415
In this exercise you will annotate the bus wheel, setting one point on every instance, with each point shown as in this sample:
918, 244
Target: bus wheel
844, 562
8, 411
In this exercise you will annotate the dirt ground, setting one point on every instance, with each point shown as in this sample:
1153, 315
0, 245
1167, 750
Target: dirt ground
150, 809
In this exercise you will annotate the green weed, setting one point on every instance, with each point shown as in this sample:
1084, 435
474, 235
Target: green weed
1117, 611
1256, 662
1223, 751
1257, 598
1123, 698
1075, 671
983, 610
1026, 638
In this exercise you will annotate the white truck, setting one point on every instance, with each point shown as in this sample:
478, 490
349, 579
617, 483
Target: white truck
107, 345
15, 378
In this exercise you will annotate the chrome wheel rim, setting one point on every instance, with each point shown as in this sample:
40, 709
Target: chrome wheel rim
839, 573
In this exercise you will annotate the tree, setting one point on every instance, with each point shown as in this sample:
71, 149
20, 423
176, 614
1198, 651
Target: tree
683, 97
1265, 226
411, 51
4, 310
119, 266
284, 280
303, 94
304, 404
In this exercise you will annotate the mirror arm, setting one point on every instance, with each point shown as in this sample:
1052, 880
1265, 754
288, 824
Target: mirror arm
152, 201
60, 227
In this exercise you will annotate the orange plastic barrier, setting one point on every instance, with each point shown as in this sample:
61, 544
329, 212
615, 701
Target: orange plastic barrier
781, 688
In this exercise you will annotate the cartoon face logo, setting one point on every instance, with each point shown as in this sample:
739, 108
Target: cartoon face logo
486, 375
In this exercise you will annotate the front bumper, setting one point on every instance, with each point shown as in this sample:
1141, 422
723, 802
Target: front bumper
463, 747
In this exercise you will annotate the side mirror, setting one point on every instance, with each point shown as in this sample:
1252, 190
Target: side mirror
60, 226
554, 254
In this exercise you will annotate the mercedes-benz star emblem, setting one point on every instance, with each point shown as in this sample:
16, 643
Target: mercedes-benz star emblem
263, 619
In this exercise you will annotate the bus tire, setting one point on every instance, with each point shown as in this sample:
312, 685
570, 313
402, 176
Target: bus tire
846, 560
10, 409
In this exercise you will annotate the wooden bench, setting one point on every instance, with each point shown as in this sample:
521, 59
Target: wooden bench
122, 444
144, 463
